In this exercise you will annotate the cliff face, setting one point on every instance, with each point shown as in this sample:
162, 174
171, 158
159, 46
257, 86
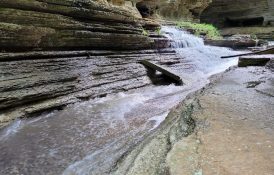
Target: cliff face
175, 10
239, 13
183, 9
58, 52
66, 24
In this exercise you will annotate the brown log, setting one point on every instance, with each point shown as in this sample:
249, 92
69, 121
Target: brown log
163, 70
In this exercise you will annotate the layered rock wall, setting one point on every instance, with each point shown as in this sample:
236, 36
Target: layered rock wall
37, 81
183, 9
43, 59
239, 13
67, 24
175, 10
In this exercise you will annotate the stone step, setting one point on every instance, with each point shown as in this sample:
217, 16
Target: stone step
255, 60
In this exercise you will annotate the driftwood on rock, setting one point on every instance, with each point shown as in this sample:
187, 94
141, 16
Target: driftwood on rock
163, 70
262, 52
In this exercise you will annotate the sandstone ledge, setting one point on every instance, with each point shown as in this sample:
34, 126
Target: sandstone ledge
62, 25
37, 81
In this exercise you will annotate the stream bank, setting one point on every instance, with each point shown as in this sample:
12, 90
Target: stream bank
233, 132
234, 127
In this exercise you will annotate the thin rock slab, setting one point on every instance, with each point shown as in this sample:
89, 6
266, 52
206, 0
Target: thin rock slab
255, 60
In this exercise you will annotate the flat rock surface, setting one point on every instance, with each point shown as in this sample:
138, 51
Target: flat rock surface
235, 128
269, 56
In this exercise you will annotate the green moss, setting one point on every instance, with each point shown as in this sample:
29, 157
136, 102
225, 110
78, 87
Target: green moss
208, 30
9, 26
159, 32
145, 32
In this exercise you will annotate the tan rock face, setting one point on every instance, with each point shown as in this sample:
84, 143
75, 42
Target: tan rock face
175, 9
239, 13
184, 9
65, 24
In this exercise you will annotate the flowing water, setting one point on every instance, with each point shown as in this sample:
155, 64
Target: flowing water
89, 137
271, 43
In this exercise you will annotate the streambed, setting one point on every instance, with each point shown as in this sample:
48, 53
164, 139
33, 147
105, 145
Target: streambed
89, 137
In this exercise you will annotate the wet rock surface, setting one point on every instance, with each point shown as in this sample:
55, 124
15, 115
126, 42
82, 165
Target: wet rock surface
235, 133
260, 32
149, 156
236, 42
255, 60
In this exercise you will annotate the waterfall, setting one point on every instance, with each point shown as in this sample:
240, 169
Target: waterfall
180, 38
270, 43
205, 59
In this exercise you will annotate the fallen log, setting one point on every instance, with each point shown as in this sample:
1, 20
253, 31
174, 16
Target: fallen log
262, 52
163, 70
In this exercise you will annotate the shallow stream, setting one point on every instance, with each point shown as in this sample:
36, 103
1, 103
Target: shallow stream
89, 137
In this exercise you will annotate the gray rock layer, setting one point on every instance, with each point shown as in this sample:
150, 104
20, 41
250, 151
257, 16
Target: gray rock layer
37, 81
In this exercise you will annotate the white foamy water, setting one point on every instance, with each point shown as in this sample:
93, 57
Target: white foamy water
11, 130
158, 119
89, 137
205, 59
270, 43
181, 38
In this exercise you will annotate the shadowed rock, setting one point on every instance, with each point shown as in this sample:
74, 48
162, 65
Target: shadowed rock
254, 60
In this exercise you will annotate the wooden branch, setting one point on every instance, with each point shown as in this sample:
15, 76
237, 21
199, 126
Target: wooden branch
164, 71
263, 52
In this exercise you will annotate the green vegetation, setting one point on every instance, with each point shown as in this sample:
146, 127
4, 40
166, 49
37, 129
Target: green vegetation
254, 36
208, 30
158, 31
145, 32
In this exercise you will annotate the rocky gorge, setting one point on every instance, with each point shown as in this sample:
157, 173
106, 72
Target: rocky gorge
53, 26
75, 97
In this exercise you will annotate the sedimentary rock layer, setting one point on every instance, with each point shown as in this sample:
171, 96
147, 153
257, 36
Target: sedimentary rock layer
37, 81
175, 10
239, 13
56, 24
184, 9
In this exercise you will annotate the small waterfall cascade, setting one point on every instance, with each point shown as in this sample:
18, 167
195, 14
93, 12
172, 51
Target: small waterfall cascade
205, 59
180, 38
271, 43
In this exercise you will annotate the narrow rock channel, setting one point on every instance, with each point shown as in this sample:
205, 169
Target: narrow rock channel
110, 134
126, 87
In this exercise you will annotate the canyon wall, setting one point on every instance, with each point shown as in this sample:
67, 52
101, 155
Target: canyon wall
183, 9
57, 52
69, 24
189, 10
239, 13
